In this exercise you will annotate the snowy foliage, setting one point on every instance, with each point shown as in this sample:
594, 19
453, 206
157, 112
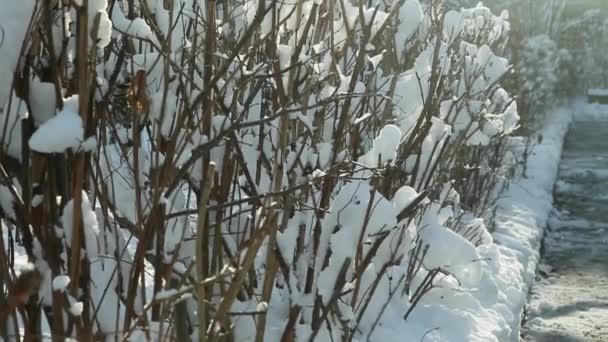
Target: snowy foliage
261, 169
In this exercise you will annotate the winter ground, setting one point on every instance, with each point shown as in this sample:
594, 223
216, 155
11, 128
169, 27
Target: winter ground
569, 301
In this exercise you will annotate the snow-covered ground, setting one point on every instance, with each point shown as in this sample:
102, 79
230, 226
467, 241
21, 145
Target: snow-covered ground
569, 301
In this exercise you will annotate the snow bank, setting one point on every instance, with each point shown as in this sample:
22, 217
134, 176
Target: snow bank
522, 212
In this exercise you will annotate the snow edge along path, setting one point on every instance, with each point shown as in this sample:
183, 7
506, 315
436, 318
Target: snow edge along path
522, 214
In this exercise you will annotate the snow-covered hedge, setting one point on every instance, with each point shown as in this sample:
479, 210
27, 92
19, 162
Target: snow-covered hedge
262, 170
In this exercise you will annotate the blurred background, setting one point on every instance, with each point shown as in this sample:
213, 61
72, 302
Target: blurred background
559, 48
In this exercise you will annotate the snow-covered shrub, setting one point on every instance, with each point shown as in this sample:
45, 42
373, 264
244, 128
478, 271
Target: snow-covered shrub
258, 170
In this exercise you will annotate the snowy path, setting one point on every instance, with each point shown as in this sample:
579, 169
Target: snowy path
569, 301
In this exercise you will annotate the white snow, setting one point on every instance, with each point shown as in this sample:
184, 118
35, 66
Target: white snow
97, 9
410, 17
166, 294
42, 100
60, 282
15, 21
452, 252
89, 145
60, 133
76, 309
404, 197
262, 307
385, 147
137, 27
37, 200
6, 201
90, 226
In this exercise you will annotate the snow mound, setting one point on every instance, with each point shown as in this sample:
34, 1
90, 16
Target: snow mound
60, 133
404, 197
450, 251
385, 147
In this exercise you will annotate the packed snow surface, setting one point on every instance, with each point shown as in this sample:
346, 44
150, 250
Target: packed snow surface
569, 301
